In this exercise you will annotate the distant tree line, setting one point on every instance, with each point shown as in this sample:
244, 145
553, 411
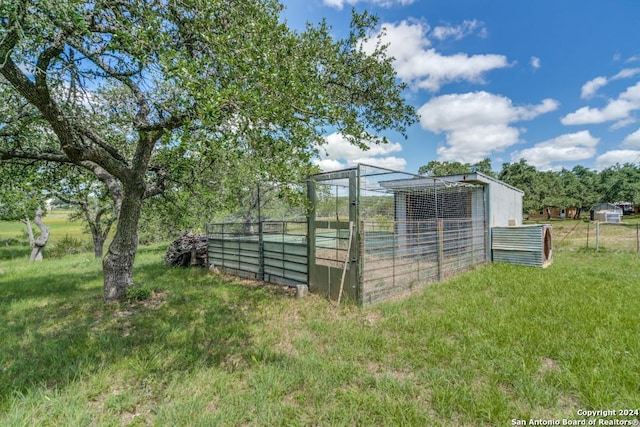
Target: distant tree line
579, 187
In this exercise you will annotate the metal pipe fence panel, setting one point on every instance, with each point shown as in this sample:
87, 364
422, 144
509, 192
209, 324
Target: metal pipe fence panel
271, 251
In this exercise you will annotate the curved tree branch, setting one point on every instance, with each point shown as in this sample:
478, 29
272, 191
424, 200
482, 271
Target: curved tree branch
47, 157
98, 140
113, 185
141, 100
43, 62
70, 140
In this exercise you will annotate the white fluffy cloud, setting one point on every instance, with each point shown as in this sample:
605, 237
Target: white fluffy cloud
338, 153
590, 88
476, 124
633, 139
612, 157
618, 109
569, 147
458, 32
417, 63
339, 4
535, 62
626, 73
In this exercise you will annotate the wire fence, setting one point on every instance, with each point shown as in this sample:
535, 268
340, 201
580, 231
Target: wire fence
398, 261
415, 230
597, 236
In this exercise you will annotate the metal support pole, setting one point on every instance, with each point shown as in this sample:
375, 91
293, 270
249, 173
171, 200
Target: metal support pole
223, 239
588, 227
440, 250
260, 240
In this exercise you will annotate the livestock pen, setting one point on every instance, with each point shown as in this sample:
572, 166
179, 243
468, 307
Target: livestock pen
369, 233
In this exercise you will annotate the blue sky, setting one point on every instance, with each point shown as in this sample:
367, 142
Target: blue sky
556, 82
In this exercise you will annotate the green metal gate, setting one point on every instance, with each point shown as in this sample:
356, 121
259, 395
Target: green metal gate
333, 235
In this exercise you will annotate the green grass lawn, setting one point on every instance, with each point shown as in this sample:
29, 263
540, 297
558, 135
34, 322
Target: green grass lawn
496, 344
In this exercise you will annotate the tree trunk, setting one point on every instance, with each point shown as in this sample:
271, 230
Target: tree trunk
99, 235
118, 263
32, 239
41, 241
99, 229
98, 245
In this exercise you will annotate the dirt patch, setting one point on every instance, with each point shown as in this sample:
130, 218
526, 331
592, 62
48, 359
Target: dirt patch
568, 403
135, 418
372, 318
379, 371
156, 300
548, 365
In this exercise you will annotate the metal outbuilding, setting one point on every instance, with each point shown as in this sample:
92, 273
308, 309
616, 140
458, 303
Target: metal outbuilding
498, 204
606, 212
503, 201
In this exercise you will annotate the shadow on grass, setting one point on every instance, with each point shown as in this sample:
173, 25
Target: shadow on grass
58, 286
14, 251
193, 321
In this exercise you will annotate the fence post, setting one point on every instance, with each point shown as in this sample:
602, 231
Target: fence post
440, 240
223, 239
597, 236
637, 237
393, 250
261, 273
260, 239
588, 227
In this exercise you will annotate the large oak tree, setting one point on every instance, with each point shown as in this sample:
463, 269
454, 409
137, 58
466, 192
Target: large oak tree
121, 85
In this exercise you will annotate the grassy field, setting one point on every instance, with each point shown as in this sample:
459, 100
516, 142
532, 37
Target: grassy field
14, 240
581, 235
494, 345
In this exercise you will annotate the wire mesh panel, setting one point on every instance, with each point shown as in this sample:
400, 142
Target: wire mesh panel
415, 230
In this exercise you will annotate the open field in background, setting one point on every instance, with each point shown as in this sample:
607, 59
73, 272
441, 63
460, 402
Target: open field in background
14, 242
573, 235
57, 221
499, 343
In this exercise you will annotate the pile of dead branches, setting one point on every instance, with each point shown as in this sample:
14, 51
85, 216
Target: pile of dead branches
188, 250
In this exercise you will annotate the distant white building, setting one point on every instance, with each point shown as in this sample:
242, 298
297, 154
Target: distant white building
606, 212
